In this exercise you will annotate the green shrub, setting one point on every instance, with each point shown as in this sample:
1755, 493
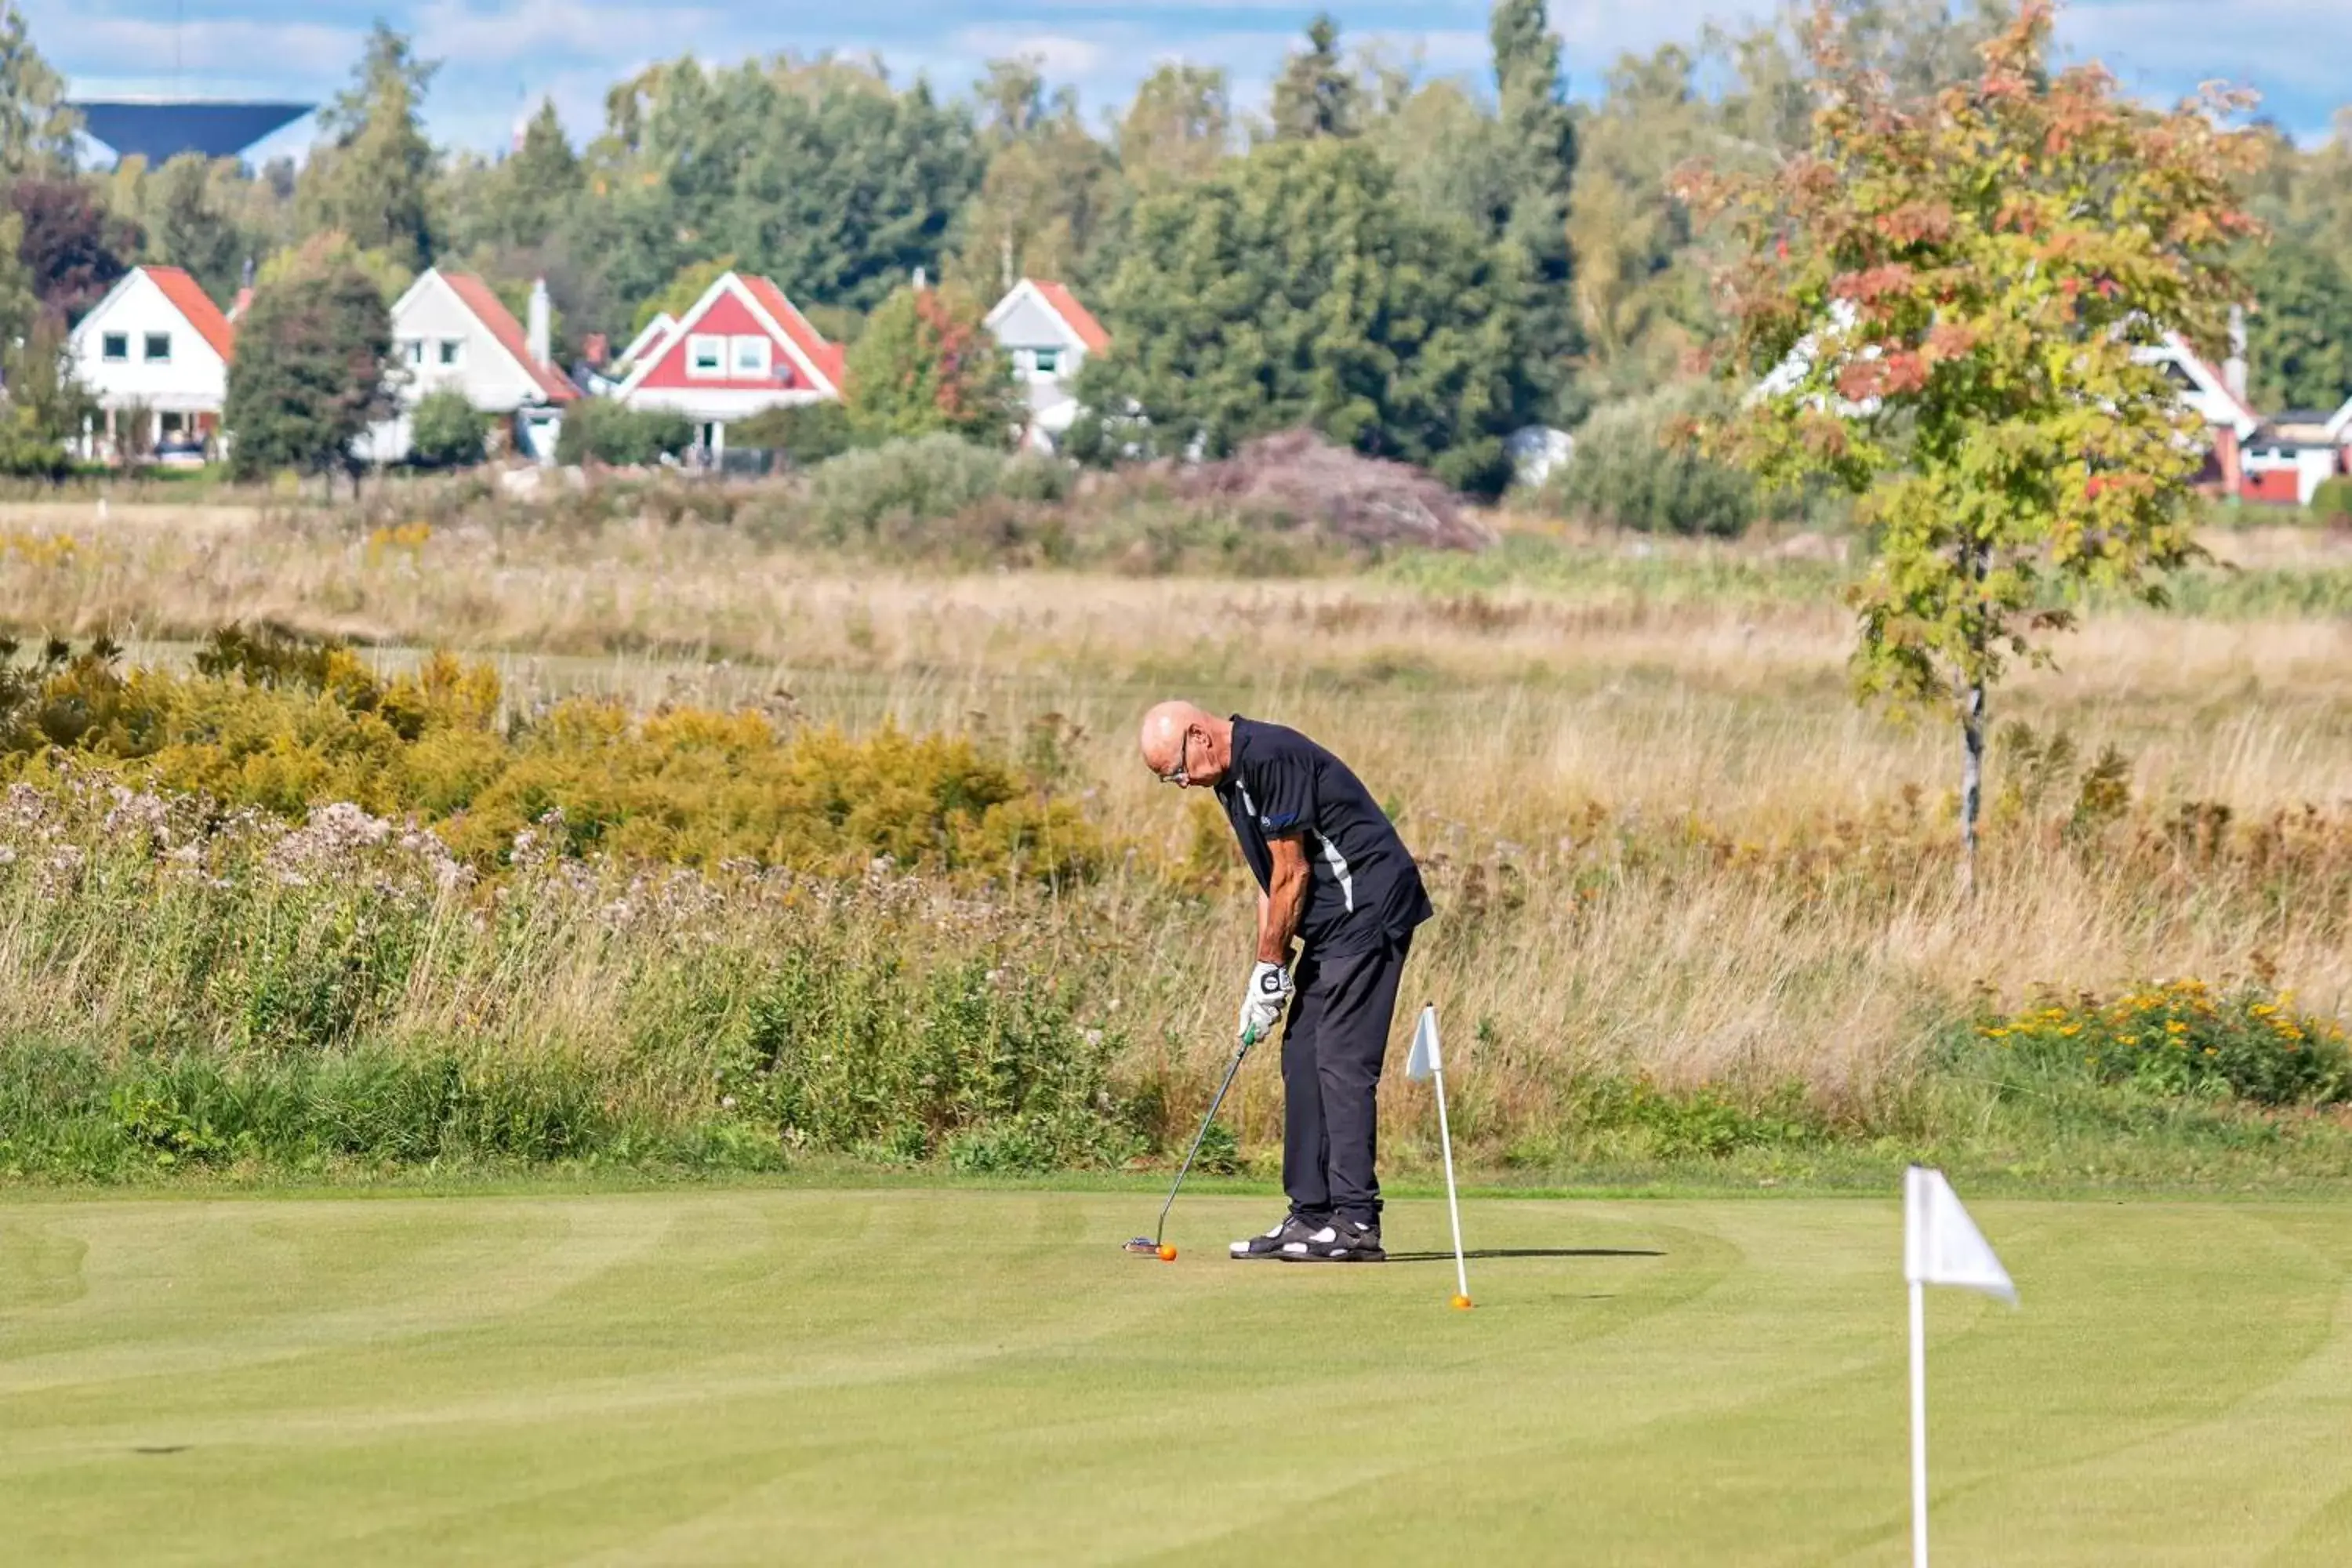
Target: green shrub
1634, 466
446, 431
2331, 503
25, 452
1696, 1123
2178, 1040
854, 495
803, 434
597, 429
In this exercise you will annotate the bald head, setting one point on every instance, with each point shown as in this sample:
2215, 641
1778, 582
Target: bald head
1183, 742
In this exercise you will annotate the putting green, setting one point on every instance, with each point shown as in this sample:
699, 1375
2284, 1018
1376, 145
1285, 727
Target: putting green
793, 1376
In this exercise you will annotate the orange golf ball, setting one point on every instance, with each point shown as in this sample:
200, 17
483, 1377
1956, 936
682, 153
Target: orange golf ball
1167, 1253
1462, 1303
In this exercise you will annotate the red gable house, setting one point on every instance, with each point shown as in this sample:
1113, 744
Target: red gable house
741, 348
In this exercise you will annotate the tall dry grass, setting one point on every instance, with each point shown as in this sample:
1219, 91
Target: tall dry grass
1626, 793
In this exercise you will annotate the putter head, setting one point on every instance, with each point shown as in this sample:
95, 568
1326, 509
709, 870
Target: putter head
1143, 1244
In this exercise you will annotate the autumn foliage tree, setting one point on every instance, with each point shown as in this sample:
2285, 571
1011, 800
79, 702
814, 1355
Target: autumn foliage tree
926, 363
1943, 305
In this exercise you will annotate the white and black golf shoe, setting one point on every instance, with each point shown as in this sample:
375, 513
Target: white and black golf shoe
1270, 1245
1341, 1241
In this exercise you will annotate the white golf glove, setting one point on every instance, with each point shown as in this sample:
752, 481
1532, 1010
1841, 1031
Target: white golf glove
1269, 992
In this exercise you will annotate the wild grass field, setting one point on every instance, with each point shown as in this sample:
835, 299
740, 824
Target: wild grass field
1697, 904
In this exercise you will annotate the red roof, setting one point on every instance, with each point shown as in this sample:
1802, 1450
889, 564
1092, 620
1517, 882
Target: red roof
1081, 320
188, 298
491, 312
828, 358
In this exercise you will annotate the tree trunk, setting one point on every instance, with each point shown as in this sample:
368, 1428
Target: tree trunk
1972, 738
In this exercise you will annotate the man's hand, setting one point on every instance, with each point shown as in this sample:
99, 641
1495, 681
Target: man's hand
1269, 992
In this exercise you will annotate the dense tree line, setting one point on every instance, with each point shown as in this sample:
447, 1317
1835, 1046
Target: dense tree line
1415, 264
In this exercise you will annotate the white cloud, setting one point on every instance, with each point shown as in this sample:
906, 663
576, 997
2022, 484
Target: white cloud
217, 52
1060, 56
473, 36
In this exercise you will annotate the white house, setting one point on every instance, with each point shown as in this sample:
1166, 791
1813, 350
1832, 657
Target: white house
1049, 335
156, 348
2216, 394
743, 348
451, 330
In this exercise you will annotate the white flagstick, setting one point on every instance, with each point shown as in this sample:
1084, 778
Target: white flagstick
1941, 1246
1919, 1424
1428, 1062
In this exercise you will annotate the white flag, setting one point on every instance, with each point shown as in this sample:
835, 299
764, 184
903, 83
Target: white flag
1941, 1245
1424, 1063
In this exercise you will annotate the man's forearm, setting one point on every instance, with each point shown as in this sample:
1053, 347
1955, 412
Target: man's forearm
1278, 913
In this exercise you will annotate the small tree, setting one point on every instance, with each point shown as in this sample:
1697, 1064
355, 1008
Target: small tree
1629, 471
311, 372
925, 364
134, 432
38, 372
446, 431
1946, 299
44, 406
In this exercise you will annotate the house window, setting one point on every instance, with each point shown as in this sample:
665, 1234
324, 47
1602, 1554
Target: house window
159, 348
416, 350
116, 348
174, 424
752, 357
452, 349
706, 354
1048, 361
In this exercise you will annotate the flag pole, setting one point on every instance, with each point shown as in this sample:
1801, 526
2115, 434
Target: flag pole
1453, 1201
1919, 1424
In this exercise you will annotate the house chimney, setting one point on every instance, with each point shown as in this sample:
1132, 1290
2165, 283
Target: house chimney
539, 328
2233, 372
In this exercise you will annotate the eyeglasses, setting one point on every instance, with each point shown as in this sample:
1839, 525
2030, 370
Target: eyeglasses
1183, 774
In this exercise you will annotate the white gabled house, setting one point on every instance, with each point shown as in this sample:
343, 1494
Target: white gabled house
2237, 464
741, 348
450, 329
655, 332
1049, 335
156, 348
2217, 395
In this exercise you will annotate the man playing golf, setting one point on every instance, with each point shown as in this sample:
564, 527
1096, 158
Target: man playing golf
1334, 878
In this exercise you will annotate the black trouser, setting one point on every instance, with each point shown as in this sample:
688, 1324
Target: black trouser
1332, 1053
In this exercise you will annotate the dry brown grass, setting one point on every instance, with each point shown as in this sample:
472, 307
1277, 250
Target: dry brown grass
1494, 722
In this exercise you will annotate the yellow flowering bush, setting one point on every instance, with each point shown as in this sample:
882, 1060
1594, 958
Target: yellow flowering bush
288, 727
2183, 1037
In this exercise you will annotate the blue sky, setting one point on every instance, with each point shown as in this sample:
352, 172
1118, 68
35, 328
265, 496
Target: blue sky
499, 54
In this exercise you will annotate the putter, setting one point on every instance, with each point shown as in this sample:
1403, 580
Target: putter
1149, 1247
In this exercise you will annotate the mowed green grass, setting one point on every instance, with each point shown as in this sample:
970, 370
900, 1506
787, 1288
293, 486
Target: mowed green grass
908, 1376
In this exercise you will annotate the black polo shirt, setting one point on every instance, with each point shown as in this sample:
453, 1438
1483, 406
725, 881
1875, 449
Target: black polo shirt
1363, 888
